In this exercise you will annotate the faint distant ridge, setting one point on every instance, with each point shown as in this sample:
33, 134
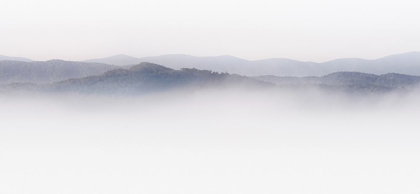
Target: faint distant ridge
406, 63
119, 60
7, 58
48, 71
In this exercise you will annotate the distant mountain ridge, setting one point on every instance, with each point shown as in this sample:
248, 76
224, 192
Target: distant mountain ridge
406, 63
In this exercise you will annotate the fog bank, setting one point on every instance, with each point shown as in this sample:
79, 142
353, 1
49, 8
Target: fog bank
210, 141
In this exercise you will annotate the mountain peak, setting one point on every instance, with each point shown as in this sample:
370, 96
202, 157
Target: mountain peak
149, 67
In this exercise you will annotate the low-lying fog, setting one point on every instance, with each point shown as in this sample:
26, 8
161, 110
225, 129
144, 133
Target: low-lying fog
230, 141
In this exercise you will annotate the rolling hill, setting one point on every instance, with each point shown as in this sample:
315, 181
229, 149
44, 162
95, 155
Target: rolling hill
148, 77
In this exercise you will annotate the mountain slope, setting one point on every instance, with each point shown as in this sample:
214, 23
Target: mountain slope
48, 71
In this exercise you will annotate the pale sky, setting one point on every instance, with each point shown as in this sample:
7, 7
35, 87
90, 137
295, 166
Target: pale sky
307, 30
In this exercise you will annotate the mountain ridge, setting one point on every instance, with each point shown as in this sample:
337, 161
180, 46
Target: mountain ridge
8, 58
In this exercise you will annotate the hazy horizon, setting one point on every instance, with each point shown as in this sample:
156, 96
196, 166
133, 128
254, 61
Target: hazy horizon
301, 29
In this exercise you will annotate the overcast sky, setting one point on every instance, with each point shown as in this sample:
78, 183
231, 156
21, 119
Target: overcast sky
308, 30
